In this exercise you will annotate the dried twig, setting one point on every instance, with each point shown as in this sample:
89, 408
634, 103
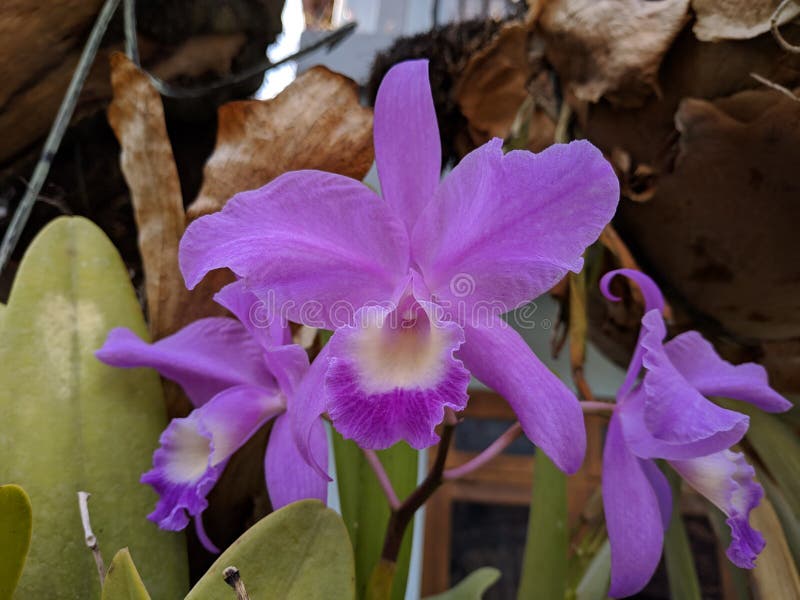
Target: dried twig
233, 578
57, 131
776, 33
89, 536
328, 41
131, 41
775, 86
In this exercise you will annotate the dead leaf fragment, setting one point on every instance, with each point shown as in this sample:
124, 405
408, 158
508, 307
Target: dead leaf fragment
137, 117
775, 574
737, 19
493, 85
316, 123
610, 48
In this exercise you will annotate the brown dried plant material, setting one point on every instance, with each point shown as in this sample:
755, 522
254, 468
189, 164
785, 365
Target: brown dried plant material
493, 85
610, 48
315, 123
775, 575
737, 19
137, 117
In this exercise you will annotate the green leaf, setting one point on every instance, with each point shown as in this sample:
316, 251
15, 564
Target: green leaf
682, 575
544, 567
15, 534
472, 587
122, 580
365, 509
778, 448
71, 423
595, 581
300, 552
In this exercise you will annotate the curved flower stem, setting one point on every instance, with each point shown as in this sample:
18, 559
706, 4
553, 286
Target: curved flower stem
380, 584
495, 448
593, 408
383, 478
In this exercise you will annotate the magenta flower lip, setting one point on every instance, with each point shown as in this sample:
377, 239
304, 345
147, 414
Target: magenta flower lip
441, 261
666, 415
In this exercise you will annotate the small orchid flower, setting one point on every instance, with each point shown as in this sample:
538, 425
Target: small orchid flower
239, 374
414, 284
667, 416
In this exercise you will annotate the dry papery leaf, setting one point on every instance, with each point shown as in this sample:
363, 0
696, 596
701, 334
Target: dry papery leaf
610, 48
721, 226
137, 117
493, 85
315, 123
737, 19
775, 574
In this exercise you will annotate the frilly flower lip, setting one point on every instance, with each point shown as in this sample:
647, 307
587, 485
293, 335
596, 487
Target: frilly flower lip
666, 415
399, 365
239, 375
728, 481
508, 225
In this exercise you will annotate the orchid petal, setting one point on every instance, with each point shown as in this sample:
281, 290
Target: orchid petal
696, 360
633, 516
204, 358
549, 413
270, 329
674, 411
504, 229
306, 243
728, 482
289, 477
661, 488
392, 375
306, 407
653, 298
286, 361
407, 148
195, 449
644, 444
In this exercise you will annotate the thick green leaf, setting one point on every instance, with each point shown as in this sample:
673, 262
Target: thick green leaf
122, 580
472, 587
15, 535
595, 581
300, 552
71, 423
365, 510
681, 573
544, 567
778, 448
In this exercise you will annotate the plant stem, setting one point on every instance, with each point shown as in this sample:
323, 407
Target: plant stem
488, 454
57, 131
404, 513
89, 537
383, 478
595, 407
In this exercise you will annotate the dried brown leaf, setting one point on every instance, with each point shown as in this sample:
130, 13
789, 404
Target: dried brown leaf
737, 19
775, 574
610, 48
316, 123
137, 117
493, 85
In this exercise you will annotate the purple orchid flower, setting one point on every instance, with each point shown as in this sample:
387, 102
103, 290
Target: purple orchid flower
667, 416
414, 284
239, 374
